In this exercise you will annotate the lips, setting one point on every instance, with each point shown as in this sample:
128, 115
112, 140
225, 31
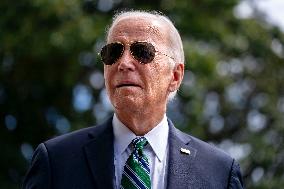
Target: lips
127, 84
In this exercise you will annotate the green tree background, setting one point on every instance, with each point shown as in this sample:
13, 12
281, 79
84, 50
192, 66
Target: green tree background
51, 79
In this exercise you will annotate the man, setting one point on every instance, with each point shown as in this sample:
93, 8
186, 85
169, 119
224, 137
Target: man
139, 147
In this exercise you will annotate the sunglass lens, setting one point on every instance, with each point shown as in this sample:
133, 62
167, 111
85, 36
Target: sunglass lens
143, 52
110, 53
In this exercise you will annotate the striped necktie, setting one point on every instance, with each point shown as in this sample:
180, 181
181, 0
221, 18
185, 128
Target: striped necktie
136, 173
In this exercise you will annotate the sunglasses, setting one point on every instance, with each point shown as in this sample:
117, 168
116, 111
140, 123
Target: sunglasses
143, 52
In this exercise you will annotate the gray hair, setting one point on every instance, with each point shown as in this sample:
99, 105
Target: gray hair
174, 39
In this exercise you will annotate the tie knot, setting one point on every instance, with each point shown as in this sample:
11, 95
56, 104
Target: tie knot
139, 143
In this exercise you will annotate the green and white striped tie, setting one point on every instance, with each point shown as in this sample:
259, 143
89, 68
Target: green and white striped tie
136, 173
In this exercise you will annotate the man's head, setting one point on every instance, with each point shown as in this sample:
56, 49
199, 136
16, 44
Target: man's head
174, 39
145, 61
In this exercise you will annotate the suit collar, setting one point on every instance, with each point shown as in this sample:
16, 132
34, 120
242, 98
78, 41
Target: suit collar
179, 160
99, 154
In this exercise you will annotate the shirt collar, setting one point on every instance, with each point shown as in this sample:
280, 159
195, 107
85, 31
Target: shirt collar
157, 137
122, 135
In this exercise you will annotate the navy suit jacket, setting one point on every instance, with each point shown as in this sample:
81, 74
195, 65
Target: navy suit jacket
84, 160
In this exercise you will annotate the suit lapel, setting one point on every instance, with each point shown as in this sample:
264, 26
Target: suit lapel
99, 153
181, 159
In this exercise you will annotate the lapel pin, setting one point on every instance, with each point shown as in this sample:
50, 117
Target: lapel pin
185, 151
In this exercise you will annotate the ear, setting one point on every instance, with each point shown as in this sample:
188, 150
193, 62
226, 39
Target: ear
177, 76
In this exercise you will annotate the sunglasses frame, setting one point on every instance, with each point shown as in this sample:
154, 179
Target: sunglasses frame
131, 52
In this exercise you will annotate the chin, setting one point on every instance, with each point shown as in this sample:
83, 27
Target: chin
128, 103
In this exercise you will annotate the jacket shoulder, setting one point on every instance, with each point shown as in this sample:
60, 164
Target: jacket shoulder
79, 137
206, 151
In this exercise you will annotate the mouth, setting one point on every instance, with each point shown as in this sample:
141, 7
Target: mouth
127, 85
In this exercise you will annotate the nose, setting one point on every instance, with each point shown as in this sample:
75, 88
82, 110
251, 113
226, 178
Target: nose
126, 61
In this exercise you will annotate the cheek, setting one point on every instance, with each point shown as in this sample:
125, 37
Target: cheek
160, 77
107, 75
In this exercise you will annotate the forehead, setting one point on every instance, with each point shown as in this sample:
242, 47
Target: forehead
138, 29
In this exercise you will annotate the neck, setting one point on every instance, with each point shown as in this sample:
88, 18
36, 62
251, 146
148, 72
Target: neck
140, 123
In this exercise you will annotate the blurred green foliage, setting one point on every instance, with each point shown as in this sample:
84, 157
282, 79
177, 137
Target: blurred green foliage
51, 79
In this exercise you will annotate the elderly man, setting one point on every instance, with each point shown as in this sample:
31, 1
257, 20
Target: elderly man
139, 147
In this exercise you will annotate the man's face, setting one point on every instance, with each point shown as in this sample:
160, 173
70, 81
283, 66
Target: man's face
136, 87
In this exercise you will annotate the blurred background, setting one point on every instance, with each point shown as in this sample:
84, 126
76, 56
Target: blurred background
51, 79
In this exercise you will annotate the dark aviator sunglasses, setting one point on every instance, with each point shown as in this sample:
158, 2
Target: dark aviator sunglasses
143, 52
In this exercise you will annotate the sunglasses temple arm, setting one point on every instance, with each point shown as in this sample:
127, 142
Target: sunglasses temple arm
166, 55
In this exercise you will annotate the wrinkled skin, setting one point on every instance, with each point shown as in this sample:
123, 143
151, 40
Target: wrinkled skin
137, 91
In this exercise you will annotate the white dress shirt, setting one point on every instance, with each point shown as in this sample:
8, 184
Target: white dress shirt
156, 150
